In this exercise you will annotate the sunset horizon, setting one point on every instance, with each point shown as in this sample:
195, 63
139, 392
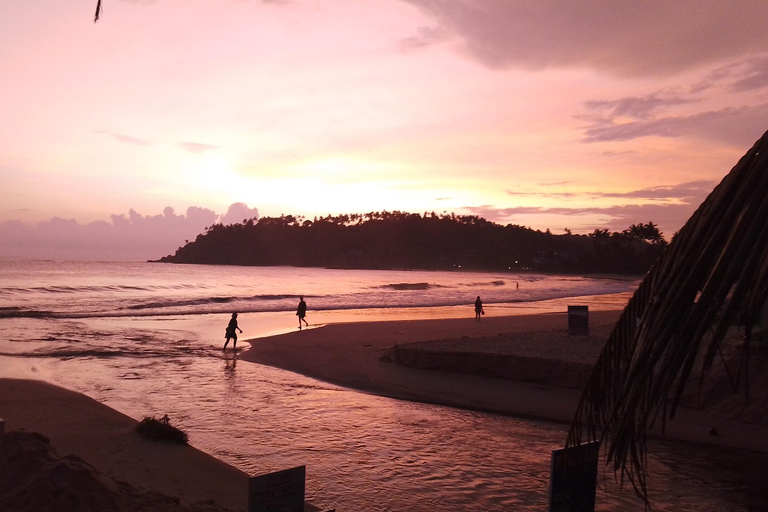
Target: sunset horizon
555, 116
383, 255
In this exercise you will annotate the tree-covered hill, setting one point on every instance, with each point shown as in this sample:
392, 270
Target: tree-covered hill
387, 240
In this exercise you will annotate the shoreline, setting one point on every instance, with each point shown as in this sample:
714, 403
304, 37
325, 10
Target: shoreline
90, 438
106, 440
362, 356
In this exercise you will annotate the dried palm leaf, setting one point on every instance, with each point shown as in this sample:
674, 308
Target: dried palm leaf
714, 273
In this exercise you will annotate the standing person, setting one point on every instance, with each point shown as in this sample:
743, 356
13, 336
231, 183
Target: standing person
301, 312
478, 309
231, 333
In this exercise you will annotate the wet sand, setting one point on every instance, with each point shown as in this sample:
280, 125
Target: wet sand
450, 359
106, 439
540, 369
162, 476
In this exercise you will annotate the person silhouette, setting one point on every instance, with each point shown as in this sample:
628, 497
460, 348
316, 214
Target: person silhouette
231, 333
301, 312
478, 309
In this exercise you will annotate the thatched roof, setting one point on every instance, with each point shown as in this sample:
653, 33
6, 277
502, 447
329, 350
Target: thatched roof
713, 275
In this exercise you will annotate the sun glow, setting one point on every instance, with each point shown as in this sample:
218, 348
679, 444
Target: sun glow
211, 175
335, 168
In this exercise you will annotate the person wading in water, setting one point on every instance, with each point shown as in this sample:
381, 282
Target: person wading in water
231, 333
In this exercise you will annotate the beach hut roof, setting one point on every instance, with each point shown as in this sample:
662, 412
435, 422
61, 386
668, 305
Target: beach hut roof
713, 275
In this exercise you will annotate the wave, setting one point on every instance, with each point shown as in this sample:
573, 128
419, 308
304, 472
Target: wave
182, 308
406, 294
409, 286
72, 354
171, 303
16, 312
181, 303
482, 284
280, 296
95, 289
165, 307
101, 353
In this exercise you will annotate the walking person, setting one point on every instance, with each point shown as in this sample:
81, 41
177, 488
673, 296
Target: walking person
301, 312
478, 309
231, 333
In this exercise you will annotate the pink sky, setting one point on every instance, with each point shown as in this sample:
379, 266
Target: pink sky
547, 114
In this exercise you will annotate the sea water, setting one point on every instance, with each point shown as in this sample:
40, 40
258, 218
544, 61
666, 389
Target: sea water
145, 339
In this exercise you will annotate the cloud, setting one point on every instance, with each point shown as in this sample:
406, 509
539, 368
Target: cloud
624, 38
684, 192
614, 218
737, 126
133, 237
742, 76
691, 191
426, 37
239, 212
558, 194
642, 107
197, 147
126, 139
659, 114
664, 205
754, 76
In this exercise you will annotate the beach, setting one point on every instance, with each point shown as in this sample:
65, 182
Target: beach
115, 468
524, 365
146, 340
106, 440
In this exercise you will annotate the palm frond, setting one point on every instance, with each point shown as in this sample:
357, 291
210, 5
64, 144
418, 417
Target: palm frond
713, 273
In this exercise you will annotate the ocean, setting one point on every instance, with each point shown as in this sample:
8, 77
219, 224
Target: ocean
146, 338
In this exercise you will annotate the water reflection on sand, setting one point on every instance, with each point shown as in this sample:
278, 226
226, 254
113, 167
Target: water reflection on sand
365, 452
362, 452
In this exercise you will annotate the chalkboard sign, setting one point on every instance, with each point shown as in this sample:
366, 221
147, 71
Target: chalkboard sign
578, 320
573, 478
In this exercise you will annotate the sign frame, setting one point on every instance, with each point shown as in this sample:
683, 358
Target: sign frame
281, 491
573, 478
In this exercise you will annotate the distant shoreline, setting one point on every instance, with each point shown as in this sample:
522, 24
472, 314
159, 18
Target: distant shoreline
594, 275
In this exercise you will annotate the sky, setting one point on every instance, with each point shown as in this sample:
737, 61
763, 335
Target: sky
124, 138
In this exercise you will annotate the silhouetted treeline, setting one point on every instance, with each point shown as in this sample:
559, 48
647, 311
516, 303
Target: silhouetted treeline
387, 240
